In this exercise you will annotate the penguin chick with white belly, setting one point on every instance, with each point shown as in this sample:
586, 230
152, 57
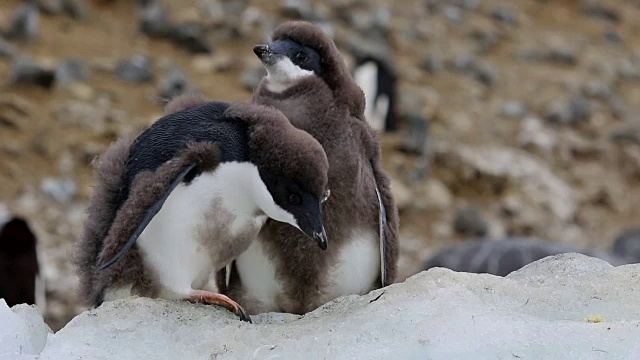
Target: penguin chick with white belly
189, 194
309, 82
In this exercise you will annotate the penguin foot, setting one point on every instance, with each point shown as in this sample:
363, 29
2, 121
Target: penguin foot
207, 297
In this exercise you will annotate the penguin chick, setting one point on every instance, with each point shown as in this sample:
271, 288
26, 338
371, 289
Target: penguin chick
309, 82
194, 189
20, 281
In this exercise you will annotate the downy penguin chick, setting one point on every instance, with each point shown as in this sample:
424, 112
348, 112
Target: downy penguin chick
194, 189
309, 82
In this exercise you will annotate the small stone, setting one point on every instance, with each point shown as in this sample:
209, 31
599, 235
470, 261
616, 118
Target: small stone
628, 70
7, 50
466, 4
136, 70
433, 63
597, 89
453, 13
296, 9
626, 135
562, 56
414, 134
25, 23
612, 36
485, 73
25, 71
70, 71
50, 7
77, 9
569, 112
463, 63
598, 9
513, 109
251, 76
487, 39
81, 91
192, 37
173, 84
504, 15
470, 222
61, 190
532, 134
155, 22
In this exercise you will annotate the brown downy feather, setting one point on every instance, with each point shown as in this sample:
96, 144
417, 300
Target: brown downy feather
184, 102
331, 109
336, 74
108, 228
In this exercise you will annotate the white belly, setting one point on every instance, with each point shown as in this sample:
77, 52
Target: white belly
171, 245
258, 274
375, 111
358, 266
199, 229
355, 272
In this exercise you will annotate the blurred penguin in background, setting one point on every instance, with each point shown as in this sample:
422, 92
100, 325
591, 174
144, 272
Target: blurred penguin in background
377, 79
20, 281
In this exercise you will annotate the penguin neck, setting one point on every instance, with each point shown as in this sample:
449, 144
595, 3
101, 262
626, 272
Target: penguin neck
239, 190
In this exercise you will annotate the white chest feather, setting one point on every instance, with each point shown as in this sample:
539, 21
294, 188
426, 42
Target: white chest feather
358, 266
258, 274
376, 107
178, 243
284, 74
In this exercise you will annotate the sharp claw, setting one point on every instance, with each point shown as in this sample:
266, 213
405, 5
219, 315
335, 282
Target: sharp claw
244, 316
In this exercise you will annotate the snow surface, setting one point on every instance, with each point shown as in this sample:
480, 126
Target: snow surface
538, 312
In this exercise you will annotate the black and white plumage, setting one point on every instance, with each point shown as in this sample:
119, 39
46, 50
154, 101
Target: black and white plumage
189, 194
377, 79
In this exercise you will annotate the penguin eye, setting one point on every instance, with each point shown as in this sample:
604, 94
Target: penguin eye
294, 199
325, 196
301, 57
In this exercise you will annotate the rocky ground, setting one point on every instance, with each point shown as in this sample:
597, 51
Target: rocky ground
528, 110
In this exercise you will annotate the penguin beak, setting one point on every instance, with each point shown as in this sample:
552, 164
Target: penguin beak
263, 52
311, 224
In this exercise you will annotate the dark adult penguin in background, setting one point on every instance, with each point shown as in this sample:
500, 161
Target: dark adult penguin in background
377, 78
20, 281
501, 257
177, 204
309, 82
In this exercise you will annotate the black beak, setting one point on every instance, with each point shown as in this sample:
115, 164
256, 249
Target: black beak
261, 50
311, 225
321, 239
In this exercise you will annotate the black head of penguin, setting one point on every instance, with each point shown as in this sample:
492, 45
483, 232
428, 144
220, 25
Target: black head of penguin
290, 57
291, 163
333, 70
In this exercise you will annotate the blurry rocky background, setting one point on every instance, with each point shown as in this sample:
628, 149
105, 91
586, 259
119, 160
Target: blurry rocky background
517, 118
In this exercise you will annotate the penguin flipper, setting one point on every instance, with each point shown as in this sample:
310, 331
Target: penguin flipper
148, 216
388, 226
